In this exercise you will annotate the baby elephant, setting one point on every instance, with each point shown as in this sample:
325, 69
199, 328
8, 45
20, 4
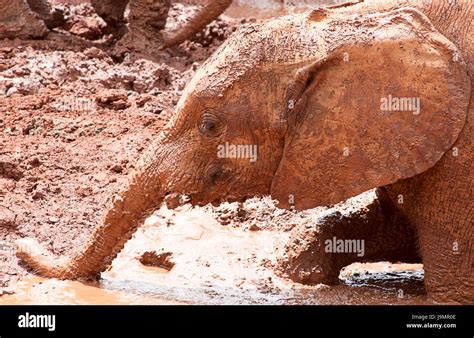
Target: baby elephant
313, 109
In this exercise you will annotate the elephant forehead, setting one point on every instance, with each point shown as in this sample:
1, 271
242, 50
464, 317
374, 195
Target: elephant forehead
291, 42
275, 42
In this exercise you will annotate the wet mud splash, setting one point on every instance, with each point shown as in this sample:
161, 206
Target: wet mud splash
191, 258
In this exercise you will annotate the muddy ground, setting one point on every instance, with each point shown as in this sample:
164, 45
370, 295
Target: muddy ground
74, 120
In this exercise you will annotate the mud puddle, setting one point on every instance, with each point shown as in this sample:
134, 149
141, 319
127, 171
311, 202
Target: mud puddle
39, 291
200, 261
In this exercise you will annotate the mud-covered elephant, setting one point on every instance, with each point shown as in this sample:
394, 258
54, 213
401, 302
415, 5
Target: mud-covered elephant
147, 20
313, 109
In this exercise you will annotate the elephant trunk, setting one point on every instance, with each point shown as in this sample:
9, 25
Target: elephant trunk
128, 209
209, 12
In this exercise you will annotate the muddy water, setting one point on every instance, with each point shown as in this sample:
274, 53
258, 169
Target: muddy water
39, 291
216, 264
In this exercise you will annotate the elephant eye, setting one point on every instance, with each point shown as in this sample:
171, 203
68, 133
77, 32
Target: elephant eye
209, 126
217, 174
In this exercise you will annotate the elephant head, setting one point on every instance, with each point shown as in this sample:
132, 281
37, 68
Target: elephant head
310, 109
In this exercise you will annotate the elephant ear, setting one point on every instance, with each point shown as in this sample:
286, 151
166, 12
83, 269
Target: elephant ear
388, 100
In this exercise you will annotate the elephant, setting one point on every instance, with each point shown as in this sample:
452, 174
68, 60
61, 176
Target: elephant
330, 103
147, 20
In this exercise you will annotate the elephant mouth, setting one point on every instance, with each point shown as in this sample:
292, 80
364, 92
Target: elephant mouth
174, 200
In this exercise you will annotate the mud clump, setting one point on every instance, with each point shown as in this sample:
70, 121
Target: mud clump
82, 21
8, 218
113, 99
217, 30
158, 260
88, 28
10, 170
259, 214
